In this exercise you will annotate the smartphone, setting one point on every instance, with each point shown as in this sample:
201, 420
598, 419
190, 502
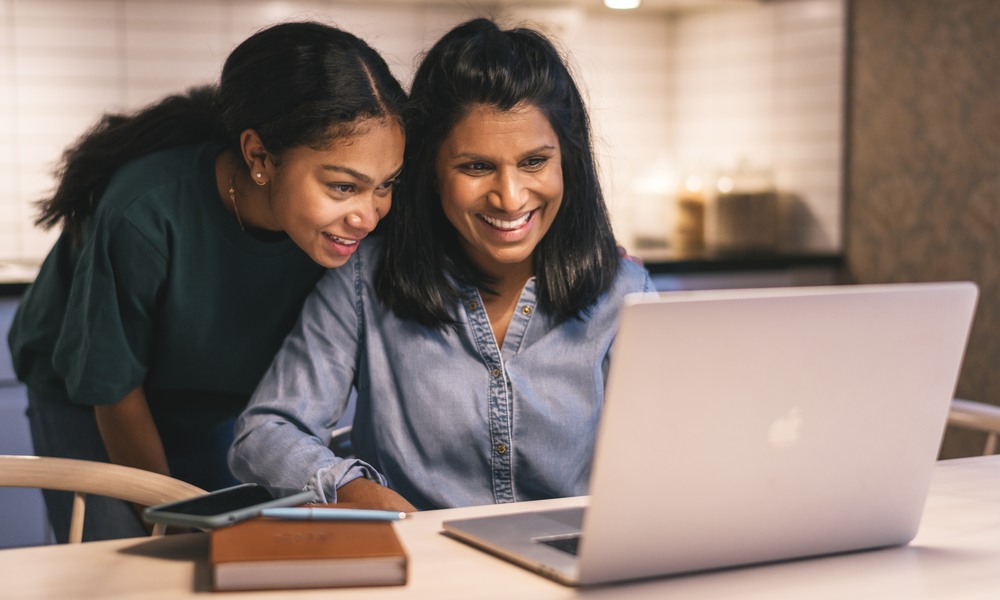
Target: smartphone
222, 507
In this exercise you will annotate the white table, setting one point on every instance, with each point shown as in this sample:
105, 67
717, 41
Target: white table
956, 554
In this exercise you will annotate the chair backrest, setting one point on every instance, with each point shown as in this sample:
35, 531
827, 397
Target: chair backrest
979, 416
82, 477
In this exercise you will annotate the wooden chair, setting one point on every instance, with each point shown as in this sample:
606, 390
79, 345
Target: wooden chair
84, 477
977, 416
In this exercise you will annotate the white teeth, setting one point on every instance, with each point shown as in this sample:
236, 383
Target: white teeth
507, 225
341, 240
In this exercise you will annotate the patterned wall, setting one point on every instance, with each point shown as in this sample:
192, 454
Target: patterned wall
923, 177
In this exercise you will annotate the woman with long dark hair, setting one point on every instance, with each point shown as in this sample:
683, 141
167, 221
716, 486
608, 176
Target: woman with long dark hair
192, 232
477, 332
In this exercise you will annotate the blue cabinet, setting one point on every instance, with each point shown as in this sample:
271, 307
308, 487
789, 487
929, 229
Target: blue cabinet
22, 511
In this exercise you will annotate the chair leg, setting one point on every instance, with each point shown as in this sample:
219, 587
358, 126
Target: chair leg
76, 520
991, 443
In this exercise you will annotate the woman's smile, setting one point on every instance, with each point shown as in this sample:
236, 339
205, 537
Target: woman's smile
504, 223
341, 246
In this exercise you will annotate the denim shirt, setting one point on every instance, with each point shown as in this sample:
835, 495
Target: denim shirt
444, 417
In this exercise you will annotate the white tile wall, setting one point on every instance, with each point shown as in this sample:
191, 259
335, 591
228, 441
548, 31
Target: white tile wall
668, 94
762, 86
626, 66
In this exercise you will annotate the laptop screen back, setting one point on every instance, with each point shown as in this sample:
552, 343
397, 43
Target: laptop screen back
756, 425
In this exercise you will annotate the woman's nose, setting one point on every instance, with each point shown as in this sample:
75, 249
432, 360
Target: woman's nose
365, 216
511, 191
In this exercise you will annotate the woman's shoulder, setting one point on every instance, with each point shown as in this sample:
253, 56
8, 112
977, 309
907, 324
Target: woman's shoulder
632, 277
370, 250
162, 173
366, 259
349, 289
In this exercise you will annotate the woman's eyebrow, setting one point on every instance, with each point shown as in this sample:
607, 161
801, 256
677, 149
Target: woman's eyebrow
477, 156
346, 170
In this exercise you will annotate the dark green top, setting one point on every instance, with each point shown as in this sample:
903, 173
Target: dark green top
166, 292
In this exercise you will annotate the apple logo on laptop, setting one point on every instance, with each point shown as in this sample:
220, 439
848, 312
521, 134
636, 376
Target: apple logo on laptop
784, 432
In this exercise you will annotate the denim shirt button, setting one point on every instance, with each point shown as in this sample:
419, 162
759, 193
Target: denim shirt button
495, 372
501, 448
526, 310
473, 305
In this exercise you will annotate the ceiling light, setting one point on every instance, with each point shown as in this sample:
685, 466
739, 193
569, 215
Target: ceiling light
622, 4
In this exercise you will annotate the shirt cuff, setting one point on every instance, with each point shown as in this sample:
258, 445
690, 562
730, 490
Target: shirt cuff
326, 481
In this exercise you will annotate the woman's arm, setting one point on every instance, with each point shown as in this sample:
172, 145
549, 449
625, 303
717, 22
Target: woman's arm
281, 440
130, 435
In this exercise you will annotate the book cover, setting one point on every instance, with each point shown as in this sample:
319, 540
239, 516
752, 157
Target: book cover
261, 554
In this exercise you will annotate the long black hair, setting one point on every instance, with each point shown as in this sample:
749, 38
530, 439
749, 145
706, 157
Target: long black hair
296, 84
477, 64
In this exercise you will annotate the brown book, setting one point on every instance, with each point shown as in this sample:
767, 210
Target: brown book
269, 554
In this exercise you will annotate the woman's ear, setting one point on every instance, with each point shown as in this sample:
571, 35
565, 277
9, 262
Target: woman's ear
256, 157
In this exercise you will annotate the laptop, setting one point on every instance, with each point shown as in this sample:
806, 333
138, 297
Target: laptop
750, 426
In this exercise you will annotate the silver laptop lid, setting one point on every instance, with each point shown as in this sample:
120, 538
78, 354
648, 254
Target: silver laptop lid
744, 426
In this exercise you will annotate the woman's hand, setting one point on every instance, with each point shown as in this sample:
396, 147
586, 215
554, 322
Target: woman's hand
364, 493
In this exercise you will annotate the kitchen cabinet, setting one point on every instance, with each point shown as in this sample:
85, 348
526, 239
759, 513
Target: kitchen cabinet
22, 510
746, 271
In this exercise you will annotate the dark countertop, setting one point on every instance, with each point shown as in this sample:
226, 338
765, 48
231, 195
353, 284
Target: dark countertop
656, 262
663, 263
12, 290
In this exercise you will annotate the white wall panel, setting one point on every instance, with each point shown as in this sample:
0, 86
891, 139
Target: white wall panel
761, 87
668, 94
84, 13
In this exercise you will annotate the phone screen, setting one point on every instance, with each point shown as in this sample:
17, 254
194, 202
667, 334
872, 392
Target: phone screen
222, 507
224, 501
